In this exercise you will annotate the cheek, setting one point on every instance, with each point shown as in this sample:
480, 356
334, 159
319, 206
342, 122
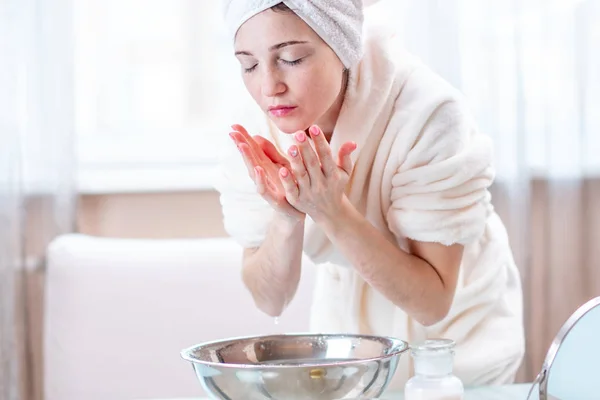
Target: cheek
252, 86
319, 89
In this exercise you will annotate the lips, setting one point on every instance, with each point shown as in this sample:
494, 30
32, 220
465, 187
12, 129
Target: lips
281, 111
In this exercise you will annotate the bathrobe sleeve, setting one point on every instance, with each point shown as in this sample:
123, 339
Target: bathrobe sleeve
440, 190
246, 215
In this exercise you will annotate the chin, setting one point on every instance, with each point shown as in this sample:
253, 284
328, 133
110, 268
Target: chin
290, 126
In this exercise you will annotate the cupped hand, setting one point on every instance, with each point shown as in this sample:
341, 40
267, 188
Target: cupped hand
263, 162
315, 183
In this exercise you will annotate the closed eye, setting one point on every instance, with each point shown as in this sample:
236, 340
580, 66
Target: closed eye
286, 62
252, 68
295, 62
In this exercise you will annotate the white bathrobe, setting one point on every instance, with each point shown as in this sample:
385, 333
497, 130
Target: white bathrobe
422, 171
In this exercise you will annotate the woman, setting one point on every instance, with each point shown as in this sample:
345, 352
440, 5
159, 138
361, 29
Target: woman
371, 165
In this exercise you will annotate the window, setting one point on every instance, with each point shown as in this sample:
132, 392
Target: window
155, 80
152, 81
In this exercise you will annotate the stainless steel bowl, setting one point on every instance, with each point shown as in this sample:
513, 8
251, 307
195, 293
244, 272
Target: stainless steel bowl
296, 366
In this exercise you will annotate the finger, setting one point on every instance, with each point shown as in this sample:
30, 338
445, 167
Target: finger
298, 168
240, 135
323, 150
271, 151
241, 130
238, 139
289, 185
249, 159
260, 180
344, 157
257, 154
265, 187
243, 134
309, 157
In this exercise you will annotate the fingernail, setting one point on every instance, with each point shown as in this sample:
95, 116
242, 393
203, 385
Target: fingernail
294, 151
301, 137
314, 130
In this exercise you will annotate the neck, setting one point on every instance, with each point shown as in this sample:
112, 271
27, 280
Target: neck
328, 121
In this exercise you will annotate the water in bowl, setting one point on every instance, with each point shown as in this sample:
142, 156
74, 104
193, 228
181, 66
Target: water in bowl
304, 361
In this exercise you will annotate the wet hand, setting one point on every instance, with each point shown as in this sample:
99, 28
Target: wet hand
263, 162
315, 183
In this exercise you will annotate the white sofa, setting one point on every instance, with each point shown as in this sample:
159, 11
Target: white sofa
118, 312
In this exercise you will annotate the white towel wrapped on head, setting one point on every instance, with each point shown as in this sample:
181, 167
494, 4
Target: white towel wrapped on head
338, 22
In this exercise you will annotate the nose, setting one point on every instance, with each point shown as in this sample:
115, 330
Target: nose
271, 83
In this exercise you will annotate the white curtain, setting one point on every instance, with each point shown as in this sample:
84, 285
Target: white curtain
531, 71
36, 181
528, 67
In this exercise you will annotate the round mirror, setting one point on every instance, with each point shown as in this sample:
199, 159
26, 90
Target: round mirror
571, 370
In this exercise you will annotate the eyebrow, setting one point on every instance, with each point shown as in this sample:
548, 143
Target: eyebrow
275, 47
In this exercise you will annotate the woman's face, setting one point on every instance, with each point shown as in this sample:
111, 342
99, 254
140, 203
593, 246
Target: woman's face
293, 75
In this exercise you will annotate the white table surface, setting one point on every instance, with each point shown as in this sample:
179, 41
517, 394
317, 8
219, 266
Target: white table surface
511, 392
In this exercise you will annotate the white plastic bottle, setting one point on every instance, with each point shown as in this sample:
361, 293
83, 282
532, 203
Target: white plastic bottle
433, 380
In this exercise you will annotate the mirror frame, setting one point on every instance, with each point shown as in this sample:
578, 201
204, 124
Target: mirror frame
557, 342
